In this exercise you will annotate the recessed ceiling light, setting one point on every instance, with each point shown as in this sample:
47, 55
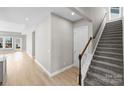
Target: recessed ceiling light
72, 13
26, 18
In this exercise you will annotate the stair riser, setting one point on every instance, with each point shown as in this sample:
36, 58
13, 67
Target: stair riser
109, 33
109, 46
111, 36
111, 24
109, 55
115, 26
103, 42
109, 61
115, 69
110, 50
112, 30
109, 39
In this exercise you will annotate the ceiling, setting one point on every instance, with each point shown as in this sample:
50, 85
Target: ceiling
34, 15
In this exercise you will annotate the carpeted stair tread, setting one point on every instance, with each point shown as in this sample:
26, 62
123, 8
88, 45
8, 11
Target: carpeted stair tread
106, 68
105, 80
108, 64
109, 54
112, 58
92, 82
109, 49
110, 45
108, 71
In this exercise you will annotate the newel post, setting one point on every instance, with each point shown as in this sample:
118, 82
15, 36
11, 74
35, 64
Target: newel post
80, 75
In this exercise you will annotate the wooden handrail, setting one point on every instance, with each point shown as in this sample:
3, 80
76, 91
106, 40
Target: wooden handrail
83, 51
99, 26
80, 57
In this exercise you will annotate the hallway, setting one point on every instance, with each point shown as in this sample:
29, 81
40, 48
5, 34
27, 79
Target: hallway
22, 70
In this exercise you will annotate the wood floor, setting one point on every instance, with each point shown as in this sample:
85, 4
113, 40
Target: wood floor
23, 71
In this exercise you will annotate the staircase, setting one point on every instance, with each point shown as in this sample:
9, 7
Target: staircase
106, 68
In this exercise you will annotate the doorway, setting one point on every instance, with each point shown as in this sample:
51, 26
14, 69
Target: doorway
33, 44
80, 40
18, 44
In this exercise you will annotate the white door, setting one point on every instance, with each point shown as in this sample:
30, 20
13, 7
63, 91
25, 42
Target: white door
80, 40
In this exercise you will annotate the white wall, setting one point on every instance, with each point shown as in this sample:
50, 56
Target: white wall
62, 43
90, 29
84, 23
96, 14
11, 27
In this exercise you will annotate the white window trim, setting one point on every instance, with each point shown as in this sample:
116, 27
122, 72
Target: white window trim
5, 43
120, 14
4, 48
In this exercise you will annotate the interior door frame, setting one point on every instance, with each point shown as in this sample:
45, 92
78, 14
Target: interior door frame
33, 44
20, 43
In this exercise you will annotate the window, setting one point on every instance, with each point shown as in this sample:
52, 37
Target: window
115, 12
1, 42
8, 42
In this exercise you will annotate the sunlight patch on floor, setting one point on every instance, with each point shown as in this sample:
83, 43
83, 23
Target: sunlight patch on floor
18, 56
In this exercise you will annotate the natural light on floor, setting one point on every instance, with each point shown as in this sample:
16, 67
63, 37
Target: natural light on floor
18, 56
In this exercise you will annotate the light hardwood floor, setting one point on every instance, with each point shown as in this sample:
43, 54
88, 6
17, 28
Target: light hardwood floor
23, 71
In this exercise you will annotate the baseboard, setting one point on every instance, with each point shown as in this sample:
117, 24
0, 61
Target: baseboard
61, 70
29, 54
54, 73
46, 71
43, 68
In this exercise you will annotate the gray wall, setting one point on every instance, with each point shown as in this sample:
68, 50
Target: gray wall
53, 43
42, 43
62, 43
14, 35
